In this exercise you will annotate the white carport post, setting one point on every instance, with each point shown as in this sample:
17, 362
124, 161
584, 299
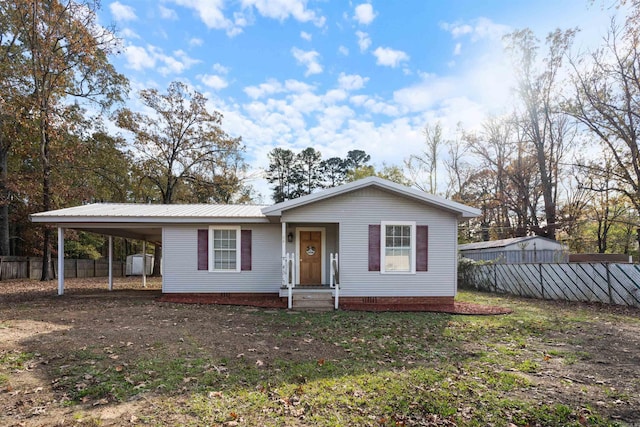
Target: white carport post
110, 263
60, 261
285, 267
144, 263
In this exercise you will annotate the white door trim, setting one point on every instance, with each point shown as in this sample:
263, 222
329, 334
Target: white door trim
323, 237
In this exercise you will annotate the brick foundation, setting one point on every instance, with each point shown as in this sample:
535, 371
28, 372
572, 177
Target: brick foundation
249, 299
432, 304
396, 303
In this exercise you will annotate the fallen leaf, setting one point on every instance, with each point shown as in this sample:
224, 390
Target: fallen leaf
320, 362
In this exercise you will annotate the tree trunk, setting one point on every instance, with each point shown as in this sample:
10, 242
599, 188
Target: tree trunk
4, 205
46, 202
157, 261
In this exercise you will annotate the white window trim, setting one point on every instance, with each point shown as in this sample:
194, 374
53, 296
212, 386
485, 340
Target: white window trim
383, 241
238, 248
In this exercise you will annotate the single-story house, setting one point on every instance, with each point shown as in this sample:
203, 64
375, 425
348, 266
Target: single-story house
371, 241
517, 250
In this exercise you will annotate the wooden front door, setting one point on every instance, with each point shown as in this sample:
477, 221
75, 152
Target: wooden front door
310, 257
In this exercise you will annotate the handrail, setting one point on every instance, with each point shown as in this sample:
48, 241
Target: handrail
288, 276
334, 280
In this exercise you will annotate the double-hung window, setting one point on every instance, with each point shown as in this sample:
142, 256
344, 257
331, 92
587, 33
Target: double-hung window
398, 247
224, 248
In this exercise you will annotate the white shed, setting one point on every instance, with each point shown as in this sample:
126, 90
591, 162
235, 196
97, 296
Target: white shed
518, 250
134, 265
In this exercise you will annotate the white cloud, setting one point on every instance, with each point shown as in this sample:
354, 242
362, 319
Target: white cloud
139, 58
129, 33
297, 86
343, 50
458, 49
364, 14
351, 81
309, 59
390, 57
375, 105
213, 81
195, 41
212, 15
220, 69
334, 95
364, 41
306, 36
122, 12
283, 9
480, 28
166, 13
263, 89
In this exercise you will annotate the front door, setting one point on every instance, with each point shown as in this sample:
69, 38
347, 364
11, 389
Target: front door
310, 257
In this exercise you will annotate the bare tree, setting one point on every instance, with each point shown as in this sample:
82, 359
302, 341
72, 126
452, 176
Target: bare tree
427, 161
607, 102
545, 126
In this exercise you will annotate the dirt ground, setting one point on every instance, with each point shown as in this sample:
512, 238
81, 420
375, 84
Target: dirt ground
129, 323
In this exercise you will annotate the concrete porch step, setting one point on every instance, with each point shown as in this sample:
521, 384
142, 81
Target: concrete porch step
312, 301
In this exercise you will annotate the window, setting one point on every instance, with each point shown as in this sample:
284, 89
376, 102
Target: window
397, 248
224, 249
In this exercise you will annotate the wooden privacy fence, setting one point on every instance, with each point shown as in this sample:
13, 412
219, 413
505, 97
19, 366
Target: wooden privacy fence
31, 268
590, 282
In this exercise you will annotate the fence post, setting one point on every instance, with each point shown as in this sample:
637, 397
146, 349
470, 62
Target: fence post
495, 277
606, 264
541, 280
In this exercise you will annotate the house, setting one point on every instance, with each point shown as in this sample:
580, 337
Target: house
518, 250
370, 241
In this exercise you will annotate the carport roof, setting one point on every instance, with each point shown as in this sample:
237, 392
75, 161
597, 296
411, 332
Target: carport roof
145, 221
146, 213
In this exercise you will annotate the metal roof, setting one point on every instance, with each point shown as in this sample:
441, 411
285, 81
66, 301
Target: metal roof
132, 212
502, 243
457, 208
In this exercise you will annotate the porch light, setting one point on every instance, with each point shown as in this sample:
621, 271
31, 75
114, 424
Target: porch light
290, 237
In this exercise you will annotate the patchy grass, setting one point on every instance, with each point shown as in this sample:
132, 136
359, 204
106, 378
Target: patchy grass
171, 364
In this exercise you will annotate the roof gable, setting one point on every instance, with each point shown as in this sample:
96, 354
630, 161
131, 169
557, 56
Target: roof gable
420, 196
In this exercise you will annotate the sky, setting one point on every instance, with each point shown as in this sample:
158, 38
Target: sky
338, 75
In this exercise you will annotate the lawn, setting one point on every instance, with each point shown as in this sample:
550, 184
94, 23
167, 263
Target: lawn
93, 358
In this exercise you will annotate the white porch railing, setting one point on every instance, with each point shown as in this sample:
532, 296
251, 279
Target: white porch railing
289, 276
334, 279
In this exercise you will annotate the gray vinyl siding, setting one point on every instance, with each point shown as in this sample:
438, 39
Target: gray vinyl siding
355, 211
180, 264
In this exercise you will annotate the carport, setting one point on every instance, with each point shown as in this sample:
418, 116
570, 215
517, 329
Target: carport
112, 220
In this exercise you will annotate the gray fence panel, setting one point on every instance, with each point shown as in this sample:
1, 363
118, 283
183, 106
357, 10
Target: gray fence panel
588, 282
31, 268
